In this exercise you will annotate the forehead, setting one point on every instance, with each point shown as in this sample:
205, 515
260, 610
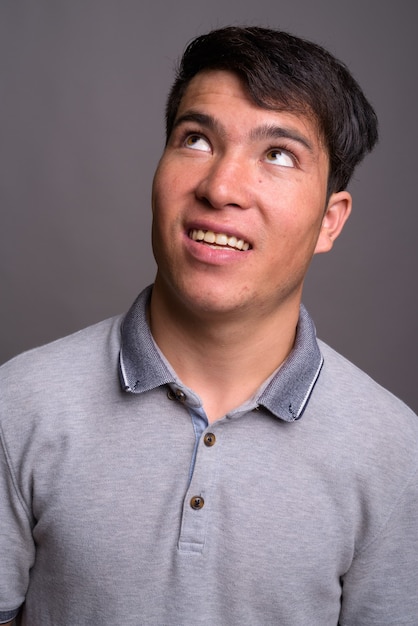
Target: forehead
217, 90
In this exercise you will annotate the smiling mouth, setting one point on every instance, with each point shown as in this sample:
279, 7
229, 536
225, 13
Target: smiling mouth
219, 240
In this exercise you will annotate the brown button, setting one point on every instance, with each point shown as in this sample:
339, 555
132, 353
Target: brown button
176, 395
180, 395
209, 439
197, 502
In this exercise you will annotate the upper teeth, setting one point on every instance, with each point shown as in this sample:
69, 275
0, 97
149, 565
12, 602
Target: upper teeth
219, 239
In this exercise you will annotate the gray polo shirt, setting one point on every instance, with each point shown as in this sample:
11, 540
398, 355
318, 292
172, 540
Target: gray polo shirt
120, 505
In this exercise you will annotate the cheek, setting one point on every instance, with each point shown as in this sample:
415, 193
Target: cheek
166, 219
293, 223
159, 204
293, 231
168, 189
307, 212
157, 188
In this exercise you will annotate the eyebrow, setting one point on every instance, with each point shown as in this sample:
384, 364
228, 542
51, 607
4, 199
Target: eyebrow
202, 119
271, 131
265, 131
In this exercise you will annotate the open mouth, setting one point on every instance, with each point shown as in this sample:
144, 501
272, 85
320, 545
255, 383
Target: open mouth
219, 240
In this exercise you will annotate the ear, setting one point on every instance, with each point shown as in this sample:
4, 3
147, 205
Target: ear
337, 213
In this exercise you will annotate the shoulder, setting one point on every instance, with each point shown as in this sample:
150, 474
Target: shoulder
348, 384
357, 409
77, 356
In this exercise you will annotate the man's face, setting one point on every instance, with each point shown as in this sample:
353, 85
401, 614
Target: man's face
239, 200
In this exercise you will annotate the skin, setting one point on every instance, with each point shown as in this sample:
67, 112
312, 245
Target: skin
260, 175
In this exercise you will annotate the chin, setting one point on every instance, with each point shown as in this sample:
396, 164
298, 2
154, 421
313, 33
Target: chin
216, 302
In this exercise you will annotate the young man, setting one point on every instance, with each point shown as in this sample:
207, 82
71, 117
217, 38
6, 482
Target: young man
237, 471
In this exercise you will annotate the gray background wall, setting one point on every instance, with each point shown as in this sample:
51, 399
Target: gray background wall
82, 89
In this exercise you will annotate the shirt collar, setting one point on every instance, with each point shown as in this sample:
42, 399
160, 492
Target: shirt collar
142, 368
288, 393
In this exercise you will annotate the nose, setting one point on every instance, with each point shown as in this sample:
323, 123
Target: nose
225, 183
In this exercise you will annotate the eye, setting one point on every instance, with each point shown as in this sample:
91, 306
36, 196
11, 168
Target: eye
197, 142
278, 156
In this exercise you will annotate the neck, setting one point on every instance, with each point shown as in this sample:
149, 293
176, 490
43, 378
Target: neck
223, 357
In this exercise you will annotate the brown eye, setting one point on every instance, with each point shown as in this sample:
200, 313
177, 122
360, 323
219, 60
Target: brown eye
197, 142
277, 156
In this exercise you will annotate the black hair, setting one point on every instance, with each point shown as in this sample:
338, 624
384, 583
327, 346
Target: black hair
283, 72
